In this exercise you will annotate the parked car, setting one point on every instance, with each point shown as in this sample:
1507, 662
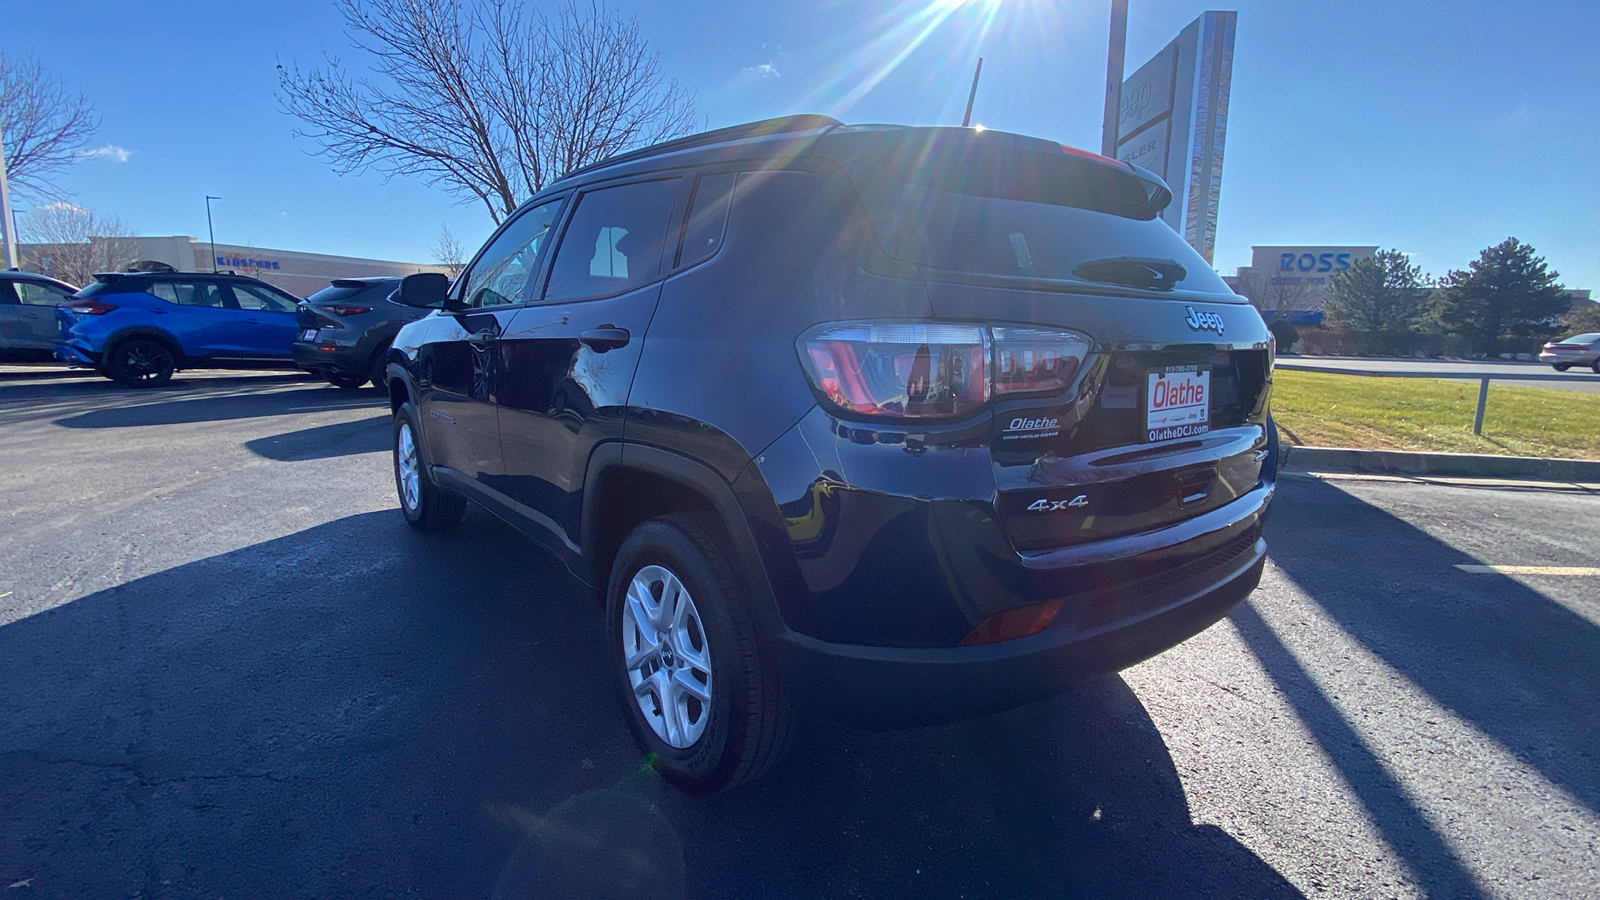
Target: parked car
346, 328
28, 315
139, 327
1578, 350
896, 425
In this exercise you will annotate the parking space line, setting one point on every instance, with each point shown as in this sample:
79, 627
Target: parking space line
1530, 570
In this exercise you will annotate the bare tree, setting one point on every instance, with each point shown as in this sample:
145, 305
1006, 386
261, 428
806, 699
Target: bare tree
448, 252
44, 123
483, 98
1274, 296
72, 243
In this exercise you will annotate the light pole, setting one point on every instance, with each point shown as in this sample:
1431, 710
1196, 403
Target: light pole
8, 222
967, 119
211, 231
1114, 59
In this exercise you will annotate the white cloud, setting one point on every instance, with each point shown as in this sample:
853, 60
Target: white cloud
63, 205
107, 151
765, 70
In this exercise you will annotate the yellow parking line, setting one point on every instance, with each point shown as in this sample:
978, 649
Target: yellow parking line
1530, 570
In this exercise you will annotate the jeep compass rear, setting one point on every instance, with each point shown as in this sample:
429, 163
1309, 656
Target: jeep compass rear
894, 425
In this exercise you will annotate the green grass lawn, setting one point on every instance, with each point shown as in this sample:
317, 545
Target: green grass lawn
1320, 410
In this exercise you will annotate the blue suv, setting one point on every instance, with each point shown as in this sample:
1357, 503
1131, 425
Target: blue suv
137, 328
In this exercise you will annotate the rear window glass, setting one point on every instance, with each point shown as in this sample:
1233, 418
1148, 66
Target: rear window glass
1022, 213
334, 294
1582, 339
96, 288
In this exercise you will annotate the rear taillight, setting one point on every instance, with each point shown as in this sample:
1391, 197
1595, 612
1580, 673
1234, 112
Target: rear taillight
89, 307
342, 311
935, 370
1036, 359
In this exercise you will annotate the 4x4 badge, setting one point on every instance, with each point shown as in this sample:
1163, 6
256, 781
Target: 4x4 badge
1043, 505
1203, 321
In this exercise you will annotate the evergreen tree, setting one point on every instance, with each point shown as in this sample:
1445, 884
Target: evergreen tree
1506, 297
1383, 293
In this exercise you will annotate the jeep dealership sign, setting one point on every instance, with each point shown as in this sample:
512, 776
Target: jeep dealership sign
1173, 120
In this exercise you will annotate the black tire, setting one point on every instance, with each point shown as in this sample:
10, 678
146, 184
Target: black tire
1595, 366
750, 714
377, 370
429, 507
1560, 367
347, 382
141, 362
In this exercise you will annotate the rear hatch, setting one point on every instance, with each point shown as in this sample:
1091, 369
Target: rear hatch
341, 300
1164, 418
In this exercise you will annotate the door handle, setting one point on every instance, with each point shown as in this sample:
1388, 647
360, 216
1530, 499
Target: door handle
606, 337
484, 336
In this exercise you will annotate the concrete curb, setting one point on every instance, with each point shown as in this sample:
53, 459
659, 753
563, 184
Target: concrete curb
1458, 465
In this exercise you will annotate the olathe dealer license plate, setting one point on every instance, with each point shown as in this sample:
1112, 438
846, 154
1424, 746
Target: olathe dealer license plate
1177, 402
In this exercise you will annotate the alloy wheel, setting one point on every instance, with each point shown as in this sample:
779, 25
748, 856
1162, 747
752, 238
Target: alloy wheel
668, 659
406, 460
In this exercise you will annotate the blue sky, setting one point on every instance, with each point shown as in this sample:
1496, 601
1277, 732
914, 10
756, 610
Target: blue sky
1435, 127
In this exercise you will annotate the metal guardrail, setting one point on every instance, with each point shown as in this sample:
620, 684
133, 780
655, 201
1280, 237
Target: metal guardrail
1445, 375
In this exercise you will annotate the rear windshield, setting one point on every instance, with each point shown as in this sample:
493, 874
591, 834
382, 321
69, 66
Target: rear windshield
1028, 214
340, 293
97, 287
1582, 339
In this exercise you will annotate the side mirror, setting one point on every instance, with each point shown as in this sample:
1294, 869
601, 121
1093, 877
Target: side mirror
425, 289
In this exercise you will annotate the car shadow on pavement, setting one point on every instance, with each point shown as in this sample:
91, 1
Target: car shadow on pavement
1511, 662
359, 708
146, 407
370, 435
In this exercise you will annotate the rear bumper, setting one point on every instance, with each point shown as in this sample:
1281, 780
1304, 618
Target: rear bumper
1568, 359
326, 359
888, 687
76, 357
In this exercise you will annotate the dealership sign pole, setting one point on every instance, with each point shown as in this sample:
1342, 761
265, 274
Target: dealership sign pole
1115, 54
7, 223
1173, 120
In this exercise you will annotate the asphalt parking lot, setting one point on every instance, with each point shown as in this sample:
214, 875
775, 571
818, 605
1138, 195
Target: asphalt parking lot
228, 669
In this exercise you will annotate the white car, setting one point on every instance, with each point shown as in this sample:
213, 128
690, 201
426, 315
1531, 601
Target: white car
1578, 350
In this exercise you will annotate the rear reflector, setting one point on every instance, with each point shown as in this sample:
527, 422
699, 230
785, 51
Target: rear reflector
1013, 624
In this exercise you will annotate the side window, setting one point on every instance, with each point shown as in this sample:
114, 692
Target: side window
707, 216
185, 293
35, 293
258, 298
613, 242
501, 273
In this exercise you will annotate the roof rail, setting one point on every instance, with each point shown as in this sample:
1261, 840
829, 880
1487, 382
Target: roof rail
763, 128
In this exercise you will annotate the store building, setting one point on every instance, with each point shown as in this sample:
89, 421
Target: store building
299, 273
1292, 281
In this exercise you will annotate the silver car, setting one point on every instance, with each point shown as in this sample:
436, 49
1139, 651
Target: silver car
28, 315
1578, 350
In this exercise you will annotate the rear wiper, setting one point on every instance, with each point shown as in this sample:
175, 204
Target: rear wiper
1134, 271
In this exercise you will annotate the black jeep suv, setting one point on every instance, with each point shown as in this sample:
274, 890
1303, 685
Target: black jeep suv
892, 424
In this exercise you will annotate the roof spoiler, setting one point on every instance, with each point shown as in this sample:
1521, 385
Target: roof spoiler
763, 128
